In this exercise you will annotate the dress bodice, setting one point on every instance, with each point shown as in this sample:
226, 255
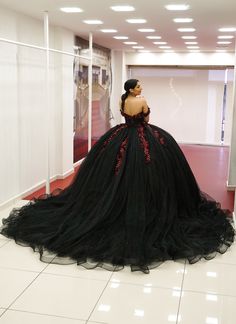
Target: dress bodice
135, 119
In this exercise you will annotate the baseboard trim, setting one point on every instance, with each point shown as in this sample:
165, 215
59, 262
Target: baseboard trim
203, 144
34, 188
10, 202
78, 163
230, 187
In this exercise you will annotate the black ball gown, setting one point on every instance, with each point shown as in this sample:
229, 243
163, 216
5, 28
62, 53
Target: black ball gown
134, 201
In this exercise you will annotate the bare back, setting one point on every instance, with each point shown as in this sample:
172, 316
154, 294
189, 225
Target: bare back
135, 105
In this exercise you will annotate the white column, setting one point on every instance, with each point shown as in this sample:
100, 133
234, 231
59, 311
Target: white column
47, 117
232, 158
90, 82
118, 79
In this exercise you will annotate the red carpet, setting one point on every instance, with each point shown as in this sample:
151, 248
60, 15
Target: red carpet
209, 165
100, 124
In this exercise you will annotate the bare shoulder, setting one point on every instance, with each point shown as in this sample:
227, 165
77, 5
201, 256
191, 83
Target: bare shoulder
141, 99
144, 104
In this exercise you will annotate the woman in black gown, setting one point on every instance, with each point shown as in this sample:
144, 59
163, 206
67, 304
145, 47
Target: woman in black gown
134, 201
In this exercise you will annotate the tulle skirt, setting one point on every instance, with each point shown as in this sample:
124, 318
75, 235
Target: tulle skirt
134, 201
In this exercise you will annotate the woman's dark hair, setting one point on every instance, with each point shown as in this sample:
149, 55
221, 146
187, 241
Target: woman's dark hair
129, 84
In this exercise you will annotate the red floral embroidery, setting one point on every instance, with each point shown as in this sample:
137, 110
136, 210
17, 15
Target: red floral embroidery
144, 143
159, 137
120, 127
120, 155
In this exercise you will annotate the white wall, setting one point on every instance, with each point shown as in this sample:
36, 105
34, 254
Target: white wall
186, 102
179, 97
23, 105
232, 159
180, 59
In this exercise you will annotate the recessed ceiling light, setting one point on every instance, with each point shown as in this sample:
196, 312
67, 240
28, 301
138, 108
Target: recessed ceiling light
224, 42
136, 21
168, 51
189, 37
225, 37
165, 47
120, 37
146, 30
93, 22
177, 7
137, 47
194, 51
221, 51
71, 9
227, 29
130, 43
187, 30
182, 20
122, 8
193, 47
153, 37
159, 43
191, 43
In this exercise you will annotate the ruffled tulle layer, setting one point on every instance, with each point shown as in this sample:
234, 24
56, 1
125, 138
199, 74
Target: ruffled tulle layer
134, 201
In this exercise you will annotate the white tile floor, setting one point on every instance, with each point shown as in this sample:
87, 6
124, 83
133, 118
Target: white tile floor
36, 292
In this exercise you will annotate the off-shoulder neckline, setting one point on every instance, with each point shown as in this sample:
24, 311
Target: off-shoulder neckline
125, 114
140, 114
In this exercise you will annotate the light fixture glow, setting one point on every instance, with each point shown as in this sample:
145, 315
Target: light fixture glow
211, 274
71, 9
147, 290
187, 30
93, 22
120, 37
153, 37
114, 285
227, 29
211, 297
130, 43
122, 8
182, 20
146, 30
165, 47
109, 30
104, 308
211, 320
189, 37
225, 37
172, 318
139, 312
222, 42
175, 293
177, 7
191, 43
136, 21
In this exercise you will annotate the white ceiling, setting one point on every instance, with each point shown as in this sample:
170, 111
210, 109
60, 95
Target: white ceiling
208, 16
